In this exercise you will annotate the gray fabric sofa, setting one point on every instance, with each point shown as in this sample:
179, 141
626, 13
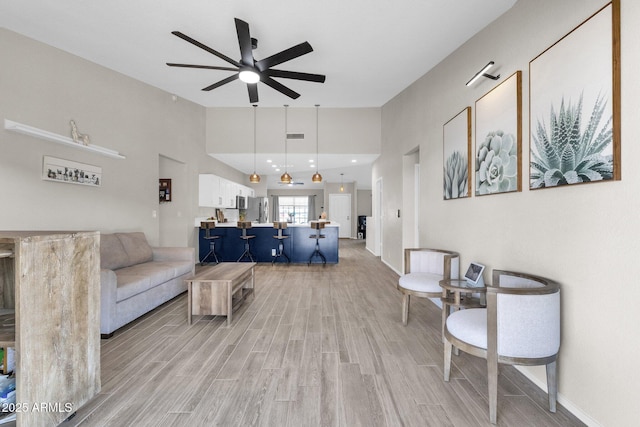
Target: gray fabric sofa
135, 278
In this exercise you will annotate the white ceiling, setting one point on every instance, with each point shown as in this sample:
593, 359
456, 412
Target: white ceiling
353, 167
369, 50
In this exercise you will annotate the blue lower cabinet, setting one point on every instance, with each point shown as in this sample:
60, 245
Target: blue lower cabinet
299, 247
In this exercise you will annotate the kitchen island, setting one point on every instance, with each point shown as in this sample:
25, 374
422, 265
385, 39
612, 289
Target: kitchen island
299, 247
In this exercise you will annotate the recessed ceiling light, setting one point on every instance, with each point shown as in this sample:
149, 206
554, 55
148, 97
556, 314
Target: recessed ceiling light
269, 160
277, 169
310, 160
312, 165
274, 166
354, 161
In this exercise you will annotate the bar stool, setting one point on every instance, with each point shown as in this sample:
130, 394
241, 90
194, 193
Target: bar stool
207, 226
280, 226
244, 226
317, 225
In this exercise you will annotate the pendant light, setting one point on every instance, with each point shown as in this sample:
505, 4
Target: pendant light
285, 178
254, 178
342, 183
316, 176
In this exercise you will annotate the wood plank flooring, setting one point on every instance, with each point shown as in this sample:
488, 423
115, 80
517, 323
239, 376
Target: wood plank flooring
314, 346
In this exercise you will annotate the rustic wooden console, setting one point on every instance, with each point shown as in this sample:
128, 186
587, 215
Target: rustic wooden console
52, 280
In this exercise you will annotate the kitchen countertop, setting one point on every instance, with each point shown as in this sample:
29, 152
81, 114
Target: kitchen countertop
258, 224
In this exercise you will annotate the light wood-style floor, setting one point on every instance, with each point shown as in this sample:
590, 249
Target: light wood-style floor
314, 346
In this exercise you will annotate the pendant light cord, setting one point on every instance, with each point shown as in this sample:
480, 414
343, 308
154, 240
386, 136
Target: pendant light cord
317, 138
285, 137
254, 138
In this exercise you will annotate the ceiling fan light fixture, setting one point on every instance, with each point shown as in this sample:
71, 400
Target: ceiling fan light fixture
248, 75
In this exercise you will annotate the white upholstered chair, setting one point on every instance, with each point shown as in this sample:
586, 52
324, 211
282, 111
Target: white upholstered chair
520, 326
423, 270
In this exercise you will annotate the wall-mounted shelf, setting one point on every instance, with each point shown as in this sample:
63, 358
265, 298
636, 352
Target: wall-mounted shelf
54, 137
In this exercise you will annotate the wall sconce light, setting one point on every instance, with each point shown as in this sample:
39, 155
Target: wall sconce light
483, 73
254, 178
342, 183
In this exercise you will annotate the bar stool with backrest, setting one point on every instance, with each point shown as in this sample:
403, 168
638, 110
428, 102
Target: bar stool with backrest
279, 225
244, 226
317, 225
207, 226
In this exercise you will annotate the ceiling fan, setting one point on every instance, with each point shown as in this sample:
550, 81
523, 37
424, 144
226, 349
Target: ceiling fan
251, 71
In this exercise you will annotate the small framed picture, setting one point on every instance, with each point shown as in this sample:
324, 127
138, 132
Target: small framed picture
473, 275
69, 172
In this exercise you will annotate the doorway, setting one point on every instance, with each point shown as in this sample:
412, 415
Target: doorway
340, 212
173, 224
378, 216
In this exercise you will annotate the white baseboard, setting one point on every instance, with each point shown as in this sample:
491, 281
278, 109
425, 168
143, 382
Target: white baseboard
390, 266
571, 407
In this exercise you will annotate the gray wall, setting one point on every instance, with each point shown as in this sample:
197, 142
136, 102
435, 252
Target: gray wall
45, 88
586, 237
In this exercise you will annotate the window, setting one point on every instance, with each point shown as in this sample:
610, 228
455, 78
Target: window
294, 210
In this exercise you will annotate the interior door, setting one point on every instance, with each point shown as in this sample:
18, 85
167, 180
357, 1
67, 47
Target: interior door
340, 212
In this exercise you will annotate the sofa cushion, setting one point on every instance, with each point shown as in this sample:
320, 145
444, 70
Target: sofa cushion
136, 247
142, 277
130, 284
180, 267
112, 254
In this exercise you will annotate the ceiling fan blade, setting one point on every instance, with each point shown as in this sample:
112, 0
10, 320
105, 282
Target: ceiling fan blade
208, 67
244, 40
318, 78
221, 82
280, 87
253, 92
284, 56
205, 47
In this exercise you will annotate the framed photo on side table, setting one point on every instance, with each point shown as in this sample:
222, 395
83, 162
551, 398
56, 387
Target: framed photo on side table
473, 275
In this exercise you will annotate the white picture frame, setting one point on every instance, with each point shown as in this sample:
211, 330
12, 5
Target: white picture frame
70, 172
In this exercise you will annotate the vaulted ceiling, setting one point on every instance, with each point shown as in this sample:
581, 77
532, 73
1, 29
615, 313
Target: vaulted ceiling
369, 50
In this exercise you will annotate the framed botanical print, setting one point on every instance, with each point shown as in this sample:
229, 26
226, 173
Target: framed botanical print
499, 138
457, 156
574, 105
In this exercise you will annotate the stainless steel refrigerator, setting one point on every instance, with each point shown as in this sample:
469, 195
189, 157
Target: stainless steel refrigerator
257, 209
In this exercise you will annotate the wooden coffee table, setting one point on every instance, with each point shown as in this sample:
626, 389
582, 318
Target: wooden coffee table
219, 289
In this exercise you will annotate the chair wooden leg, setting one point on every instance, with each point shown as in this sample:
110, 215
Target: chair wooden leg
405, 308
552, 385
492, 380
447, 359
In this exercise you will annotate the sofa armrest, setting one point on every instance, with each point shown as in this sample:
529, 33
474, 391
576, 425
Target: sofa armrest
174, 254
108, 289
